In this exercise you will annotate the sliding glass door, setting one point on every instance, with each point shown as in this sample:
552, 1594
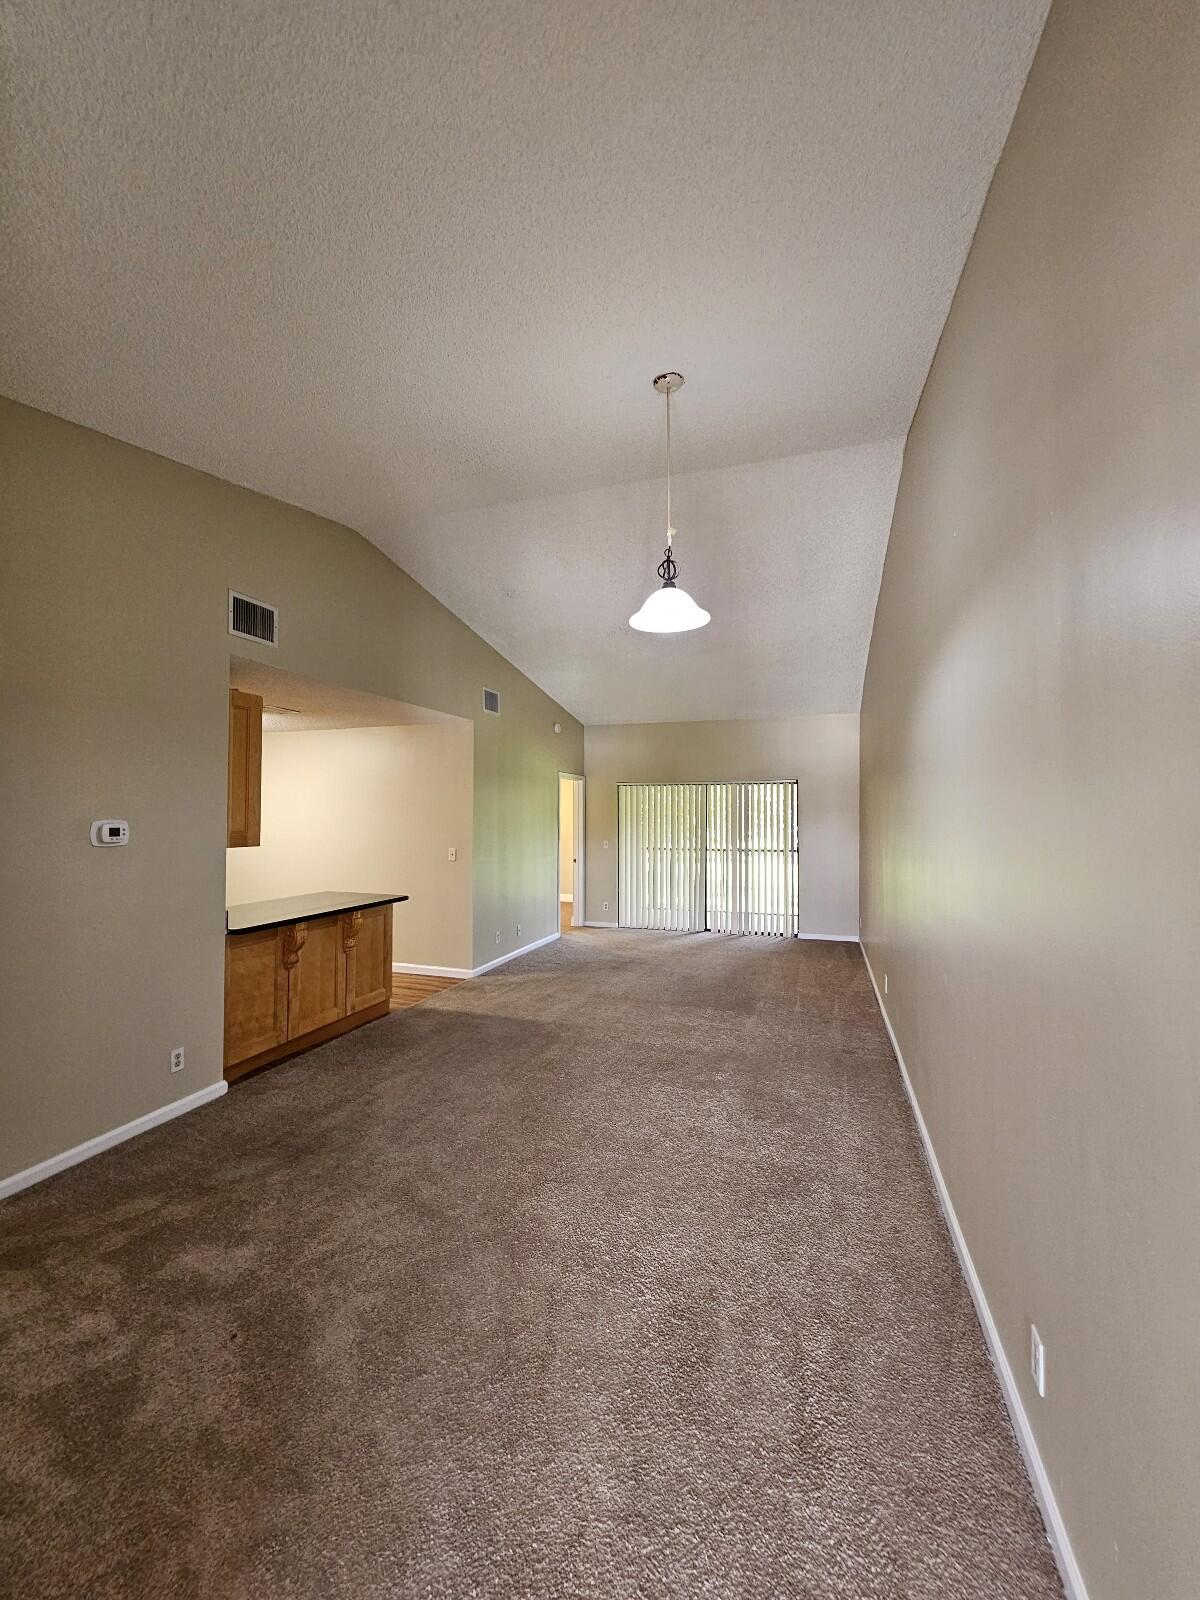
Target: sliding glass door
722, 857
753, 858
660, 856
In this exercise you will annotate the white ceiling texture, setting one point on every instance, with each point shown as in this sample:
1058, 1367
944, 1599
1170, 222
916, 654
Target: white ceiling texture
413, 266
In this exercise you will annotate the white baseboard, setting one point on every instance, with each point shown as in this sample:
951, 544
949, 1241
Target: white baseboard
105, 1141
833, 938
420, 971
1056, 1530
471, 972
513, 954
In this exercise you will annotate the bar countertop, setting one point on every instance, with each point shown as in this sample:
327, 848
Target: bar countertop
301, 908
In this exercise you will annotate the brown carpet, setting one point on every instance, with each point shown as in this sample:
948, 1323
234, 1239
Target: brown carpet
616, 1273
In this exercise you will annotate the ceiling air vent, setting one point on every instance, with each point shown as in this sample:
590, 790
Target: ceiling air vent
491, 701
251, 619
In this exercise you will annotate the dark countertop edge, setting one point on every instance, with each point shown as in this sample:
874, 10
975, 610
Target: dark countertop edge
312, 916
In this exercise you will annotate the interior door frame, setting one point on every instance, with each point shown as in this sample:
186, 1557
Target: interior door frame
579, 876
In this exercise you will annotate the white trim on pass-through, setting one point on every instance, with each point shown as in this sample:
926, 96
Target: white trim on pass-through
1056, 1528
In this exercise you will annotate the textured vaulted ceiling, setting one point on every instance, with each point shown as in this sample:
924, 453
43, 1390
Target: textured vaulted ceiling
786, 554
403, 262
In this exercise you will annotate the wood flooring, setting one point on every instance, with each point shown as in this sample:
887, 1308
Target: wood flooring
410, 988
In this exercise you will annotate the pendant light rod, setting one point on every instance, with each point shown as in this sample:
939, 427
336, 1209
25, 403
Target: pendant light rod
668, 383
670, 529
669, 609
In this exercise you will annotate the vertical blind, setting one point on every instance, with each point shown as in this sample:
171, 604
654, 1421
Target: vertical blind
660, 856
753, 858
716, 856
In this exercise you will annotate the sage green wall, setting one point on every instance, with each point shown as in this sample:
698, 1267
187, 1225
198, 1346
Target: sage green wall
116, 564
1031, 773
821, 753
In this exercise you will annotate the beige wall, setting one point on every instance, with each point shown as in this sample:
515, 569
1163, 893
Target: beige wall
371, 808
1031, 774
116, 565
821, 752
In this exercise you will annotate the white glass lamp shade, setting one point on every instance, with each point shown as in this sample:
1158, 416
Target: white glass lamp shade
669, 610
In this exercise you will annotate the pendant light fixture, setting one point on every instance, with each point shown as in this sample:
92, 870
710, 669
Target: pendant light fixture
669, 609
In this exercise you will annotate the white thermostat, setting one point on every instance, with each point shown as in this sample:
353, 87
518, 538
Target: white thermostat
110, 832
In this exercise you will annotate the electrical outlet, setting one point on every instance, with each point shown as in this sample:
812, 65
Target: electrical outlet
1037, 1361
606, 844
518, 930
177, 1059
606, 905
497, 935
452, 854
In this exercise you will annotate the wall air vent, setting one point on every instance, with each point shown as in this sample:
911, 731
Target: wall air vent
252, 619
491, 701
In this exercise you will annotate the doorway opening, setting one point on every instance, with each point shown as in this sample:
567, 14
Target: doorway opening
570, 852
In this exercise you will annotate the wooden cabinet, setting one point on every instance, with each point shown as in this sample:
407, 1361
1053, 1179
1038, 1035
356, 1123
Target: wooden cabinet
245, 767
315, 957
256, 995
368, 944
291, 987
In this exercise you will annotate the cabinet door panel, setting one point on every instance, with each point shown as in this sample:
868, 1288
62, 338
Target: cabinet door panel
367, 936
255, 994
317, 978
245, 768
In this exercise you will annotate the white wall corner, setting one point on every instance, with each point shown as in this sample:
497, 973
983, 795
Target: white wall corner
1056, 1529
